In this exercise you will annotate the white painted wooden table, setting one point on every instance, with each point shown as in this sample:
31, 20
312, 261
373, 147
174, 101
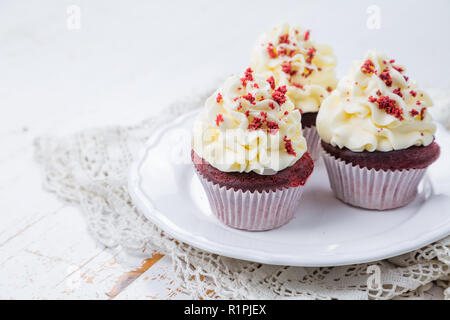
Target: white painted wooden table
127, 61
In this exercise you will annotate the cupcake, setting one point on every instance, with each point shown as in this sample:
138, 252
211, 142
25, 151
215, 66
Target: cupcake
289, 56
249, 153
377, 135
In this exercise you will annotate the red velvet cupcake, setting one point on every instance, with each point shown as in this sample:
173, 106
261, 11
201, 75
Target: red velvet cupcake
377, 135
250, 154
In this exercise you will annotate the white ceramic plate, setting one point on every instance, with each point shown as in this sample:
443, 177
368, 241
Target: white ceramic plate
325, 231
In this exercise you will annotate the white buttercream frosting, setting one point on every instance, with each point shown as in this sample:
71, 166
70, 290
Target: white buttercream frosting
376, 107
307, 69
249, 125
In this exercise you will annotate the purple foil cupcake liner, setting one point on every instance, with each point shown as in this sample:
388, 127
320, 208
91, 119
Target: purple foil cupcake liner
370, 188
312, 141
252, 211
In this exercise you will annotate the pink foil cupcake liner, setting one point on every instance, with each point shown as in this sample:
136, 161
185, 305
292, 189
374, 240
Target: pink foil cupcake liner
252, 211
370, 188
312, 141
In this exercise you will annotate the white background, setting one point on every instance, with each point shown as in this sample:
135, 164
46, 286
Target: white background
132, 57
128, 61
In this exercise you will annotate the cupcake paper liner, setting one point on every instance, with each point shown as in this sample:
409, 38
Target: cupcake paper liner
312, 141
370, 188
252, 211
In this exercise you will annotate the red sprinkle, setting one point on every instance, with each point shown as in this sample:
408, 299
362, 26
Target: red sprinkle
414, 112
307, 35
389, 106
271, 105
288, 146
368, 67
287, 68
256, 124
279, 95
399, 69
271, 51
329, 89
264, 115
249, 98
284, 39
406, 78
248, 76
310, 55
219, 119
398, 92
247, 113
372, 99
298, 85
271, 81
413, 93
219, 98
282, 51
422, 113
308, 72
386, 77
272, 127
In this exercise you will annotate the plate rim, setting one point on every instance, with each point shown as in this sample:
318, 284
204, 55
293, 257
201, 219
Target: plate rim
158, 218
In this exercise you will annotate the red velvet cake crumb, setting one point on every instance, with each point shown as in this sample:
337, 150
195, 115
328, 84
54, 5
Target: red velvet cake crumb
271, 51
398, 92
388, 105
279, 95
284, 39
219, 119
310, 55
249, 98
248, 76
368, 67
307, 35
288, 145
307, 72
287, 68
414, 112
386, 77
271, 81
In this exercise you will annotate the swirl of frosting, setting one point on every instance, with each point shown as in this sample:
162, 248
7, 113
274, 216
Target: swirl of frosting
376, 107
305, 68
249, 125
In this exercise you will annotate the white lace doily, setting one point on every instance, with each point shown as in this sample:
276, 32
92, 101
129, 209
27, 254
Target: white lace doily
89, 169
